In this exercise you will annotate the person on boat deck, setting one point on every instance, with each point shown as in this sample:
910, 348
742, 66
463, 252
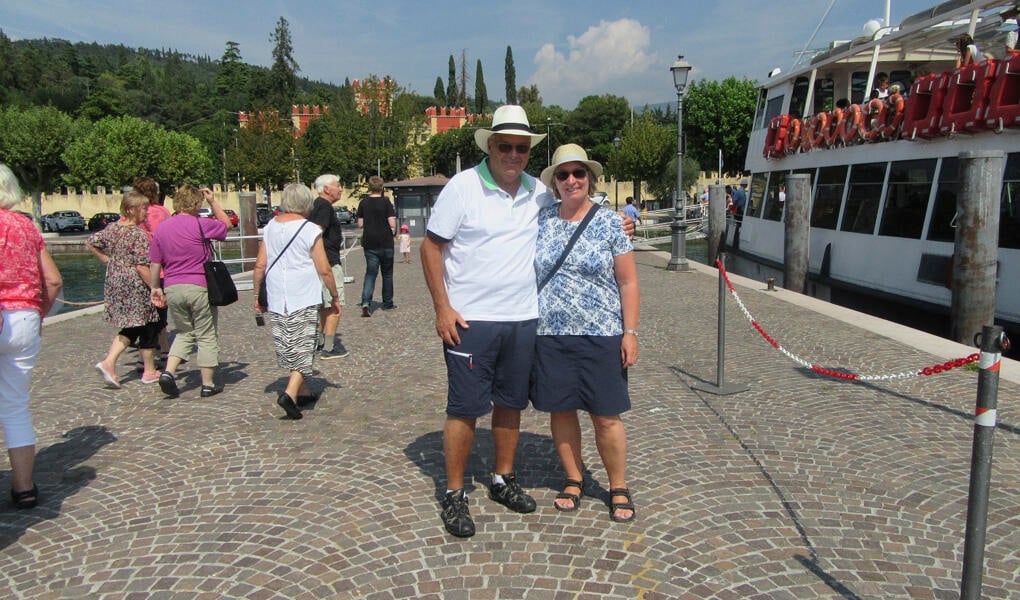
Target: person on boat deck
969, 53
881, 86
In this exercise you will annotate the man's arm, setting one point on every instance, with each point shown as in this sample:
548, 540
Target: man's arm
447, 319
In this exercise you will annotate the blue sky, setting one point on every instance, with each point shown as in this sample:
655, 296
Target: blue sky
569, 49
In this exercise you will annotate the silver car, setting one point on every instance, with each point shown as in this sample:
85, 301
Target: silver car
63, 220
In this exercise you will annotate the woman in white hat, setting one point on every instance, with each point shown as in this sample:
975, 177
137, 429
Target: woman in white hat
588, 305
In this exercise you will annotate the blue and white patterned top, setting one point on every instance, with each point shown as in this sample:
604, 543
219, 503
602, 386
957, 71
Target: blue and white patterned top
582, 298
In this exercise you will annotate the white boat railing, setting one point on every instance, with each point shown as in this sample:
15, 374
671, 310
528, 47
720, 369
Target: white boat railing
655, 226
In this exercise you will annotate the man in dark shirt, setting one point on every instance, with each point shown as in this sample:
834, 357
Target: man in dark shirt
323, 215
378, 221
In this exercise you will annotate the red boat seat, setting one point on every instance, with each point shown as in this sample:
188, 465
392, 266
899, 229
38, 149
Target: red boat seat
1004, 96
924, 105
964, 102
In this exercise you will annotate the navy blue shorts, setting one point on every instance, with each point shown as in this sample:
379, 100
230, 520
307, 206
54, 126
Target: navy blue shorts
489, 367
580, 372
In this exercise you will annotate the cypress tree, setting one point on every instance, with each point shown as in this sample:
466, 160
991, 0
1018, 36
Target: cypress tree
481, 96
451, 87
510, 75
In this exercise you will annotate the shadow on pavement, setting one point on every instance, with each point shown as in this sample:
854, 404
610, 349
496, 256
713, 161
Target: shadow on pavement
58, 478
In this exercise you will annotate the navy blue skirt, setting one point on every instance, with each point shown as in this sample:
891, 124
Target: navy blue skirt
579, 372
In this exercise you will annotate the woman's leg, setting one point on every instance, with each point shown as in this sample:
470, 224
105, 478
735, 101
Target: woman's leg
611, 440
296, 385
22, 463
566, 434
19, 345
117, 347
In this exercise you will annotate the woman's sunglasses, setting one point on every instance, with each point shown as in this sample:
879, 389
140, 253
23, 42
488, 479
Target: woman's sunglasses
578, 174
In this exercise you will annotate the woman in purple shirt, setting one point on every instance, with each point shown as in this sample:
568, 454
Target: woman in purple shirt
179, 246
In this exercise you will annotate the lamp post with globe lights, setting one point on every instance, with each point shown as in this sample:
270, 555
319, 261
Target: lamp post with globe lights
678, 255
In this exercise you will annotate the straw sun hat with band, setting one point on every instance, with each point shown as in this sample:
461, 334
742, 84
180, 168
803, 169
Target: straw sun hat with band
508, 119
565, 154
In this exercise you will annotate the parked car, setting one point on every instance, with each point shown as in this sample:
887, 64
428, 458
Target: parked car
346, 217
234, 219
263, 215
99, 221
205, 213
600, 198
63, 220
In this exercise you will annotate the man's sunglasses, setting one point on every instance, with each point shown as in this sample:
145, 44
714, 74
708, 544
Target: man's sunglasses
505, 148
578, 174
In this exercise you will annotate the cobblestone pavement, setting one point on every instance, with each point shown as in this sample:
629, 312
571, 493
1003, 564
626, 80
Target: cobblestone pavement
800, 487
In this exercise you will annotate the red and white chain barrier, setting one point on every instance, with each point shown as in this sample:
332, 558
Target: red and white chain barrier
946, 366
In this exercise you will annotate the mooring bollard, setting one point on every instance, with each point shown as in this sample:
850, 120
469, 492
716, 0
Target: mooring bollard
719, 387
992, 342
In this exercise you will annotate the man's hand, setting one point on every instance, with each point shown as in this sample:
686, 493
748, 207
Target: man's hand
447, 321
628, 224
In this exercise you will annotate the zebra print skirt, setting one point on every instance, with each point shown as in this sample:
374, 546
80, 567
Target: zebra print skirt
294, 336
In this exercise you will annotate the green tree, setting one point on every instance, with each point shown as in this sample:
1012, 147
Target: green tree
32, 143
595, 122
529, 97
644, 154
439, 92
717, 116
451, 87
481, 95
232, 79
283, 74
264, 153
510, 77
440, 152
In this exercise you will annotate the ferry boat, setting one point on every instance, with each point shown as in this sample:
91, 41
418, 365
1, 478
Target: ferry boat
885, 172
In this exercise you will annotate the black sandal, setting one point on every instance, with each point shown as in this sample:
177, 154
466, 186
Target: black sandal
26, 499
575, 498
615, 506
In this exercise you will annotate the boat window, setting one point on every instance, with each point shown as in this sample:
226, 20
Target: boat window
858, 82
907, 198
942, 227
757, 194
799, 97
773, 108
775, 199
828, 197
759, 117
824, 96
863, 195
1009, 209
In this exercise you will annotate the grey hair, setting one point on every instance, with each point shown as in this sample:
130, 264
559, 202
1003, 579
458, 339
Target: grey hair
297, 198
323, 180
10, 190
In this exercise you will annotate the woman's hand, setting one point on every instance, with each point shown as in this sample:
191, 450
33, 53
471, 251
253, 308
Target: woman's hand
158, 298
628, 350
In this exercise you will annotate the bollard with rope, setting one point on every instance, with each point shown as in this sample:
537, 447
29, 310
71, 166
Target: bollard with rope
720, 388
992, 341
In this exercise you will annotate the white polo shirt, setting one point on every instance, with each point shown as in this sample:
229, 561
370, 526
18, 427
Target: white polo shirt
488, 262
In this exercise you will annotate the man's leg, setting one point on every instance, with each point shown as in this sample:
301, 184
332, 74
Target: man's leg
458, 437
386, 262
506, 428
371, 271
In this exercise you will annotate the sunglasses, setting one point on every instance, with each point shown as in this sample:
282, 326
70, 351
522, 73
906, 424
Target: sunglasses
578, 174
505, 148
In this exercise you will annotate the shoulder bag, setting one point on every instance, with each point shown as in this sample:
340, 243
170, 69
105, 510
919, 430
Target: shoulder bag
570, 244
218, 281
263, 293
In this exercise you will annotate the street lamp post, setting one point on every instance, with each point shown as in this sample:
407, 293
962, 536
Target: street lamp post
678, 256
616, 176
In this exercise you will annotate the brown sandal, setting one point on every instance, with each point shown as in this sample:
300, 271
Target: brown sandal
574, 498
615, 506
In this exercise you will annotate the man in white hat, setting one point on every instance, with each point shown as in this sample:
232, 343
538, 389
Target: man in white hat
477, 257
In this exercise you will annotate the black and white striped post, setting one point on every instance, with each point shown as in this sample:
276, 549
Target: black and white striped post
992, 342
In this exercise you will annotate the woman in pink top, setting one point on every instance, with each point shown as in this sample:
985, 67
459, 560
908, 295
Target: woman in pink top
29, 284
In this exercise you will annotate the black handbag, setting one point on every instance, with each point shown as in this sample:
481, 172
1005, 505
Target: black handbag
218, 281
263, 294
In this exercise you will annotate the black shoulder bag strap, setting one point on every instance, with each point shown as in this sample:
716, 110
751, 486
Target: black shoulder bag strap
278, 256
570, 244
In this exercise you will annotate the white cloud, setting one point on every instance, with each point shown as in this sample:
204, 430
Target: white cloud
594, 62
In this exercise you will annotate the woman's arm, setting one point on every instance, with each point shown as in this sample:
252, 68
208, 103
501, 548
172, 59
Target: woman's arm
103, 258
258, 274
625, 269
52, 282
218, 211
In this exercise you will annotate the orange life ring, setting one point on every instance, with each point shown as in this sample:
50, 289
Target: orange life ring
793, 136
822, 128
873, 119
895, 104
775, 142
834, 126
808, 134
850, 127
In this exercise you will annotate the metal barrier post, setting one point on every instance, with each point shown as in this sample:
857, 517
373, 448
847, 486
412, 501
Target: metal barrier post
720, 388
993, 342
